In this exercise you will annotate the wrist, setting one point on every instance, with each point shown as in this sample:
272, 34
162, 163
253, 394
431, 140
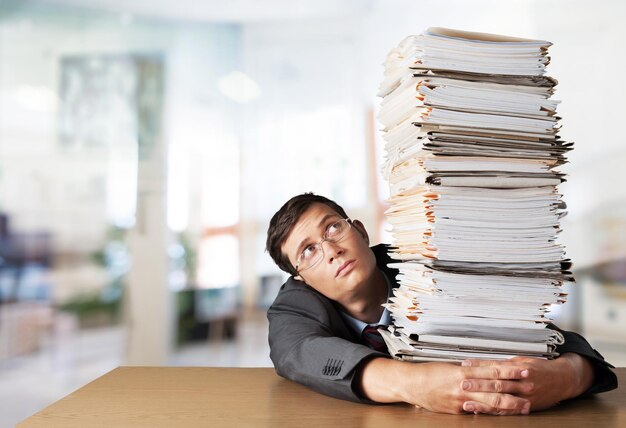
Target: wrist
383, 380
579, 373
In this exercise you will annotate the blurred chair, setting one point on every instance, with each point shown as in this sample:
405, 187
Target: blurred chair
18, 253
211, 313
270, 284
25, 310
220, 308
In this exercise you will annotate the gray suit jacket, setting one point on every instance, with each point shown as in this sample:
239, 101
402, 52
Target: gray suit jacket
311, 344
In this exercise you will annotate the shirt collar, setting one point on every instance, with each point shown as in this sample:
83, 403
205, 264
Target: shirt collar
385, 319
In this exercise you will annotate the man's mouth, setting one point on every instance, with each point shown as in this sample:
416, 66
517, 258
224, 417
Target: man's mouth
345, 268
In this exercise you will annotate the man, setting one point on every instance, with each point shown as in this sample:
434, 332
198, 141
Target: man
320, 335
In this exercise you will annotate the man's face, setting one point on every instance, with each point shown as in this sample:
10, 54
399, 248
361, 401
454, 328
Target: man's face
347, 266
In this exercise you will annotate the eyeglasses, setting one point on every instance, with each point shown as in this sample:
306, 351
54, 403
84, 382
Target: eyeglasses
313, 253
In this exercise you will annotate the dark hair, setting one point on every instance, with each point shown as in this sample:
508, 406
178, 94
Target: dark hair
285, 219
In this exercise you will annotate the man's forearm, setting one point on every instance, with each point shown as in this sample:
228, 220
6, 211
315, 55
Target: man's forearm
382, 380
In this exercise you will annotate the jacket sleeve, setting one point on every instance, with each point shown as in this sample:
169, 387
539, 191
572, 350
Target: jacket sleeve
604, 378
305, 348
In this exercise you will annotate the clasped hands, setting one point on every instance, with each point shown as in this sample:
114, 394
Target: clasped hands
512, 387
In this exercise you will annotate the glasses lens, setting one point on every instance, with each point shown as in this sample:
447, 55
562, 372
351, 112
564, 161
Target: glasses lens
337, 230
312, 255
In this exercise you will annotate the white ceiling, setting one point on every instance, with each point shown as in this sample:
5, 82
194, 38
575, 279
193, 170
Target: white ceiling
241, 11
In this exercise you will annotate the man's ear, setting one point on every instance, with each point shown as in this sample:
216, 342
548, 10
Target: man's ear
361, 229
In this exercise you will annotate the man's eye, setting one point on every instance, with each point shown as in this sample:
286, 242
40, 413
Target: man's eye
334, 228
309, 251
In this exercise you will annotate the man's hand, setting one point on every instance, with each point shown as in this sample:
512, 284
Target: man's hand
439, 386
548, 381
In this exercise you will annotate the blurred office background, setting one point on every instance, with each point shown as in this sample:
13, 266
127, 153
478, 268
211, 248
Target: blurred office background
144, 146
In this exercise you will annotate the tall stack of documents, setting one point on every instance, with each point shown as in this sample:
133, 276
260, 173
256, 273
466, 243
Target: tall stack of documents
472, 151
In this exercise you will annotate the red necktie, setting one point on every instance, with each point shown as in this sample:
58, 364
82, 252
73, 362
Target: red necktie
372, 338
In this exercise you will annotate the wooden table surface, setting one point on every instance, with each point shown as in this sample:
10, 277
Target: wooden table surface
257, 397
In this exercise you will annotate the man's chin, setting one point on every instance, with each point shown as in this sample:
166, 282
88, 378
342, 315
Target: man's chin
353, 282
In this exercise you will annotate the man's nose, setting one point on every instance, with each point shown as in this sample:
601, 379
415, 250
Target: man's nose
332, 250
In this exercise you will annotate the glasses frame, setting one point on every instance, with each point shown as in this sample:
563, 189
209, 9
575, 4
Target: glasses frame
321, 241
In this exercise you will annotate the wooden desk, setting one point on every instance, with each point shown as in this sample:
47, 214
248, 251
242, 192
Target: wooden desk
257, 397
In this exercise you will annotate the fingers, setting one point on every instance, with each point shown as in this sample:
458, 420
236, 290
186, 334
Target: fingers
493, 386
478, 407
497, 404
484, 363
501, 371
512, 361
498, 386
